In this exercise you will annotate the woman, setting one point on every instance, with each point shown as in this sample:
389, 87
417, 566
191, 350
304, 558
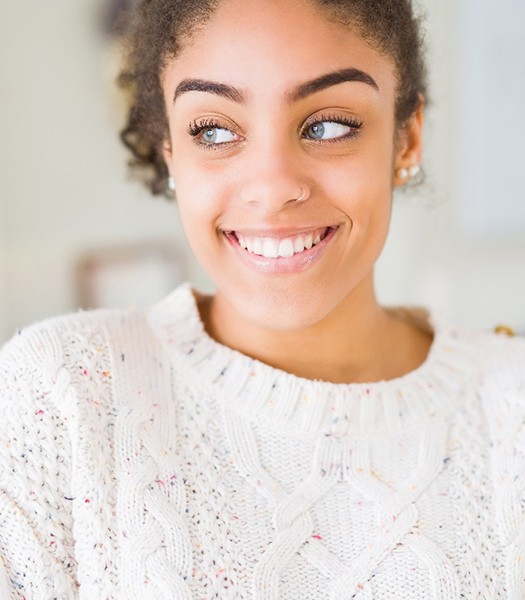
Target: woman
287, 437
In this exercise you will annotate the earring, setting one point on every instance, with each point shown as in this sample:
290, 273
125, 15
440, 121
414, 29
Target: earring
414, 170
403, 173
171, 184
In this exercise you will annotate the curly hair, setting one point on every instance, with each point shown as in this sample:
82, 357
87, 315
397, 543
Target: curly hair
158, 29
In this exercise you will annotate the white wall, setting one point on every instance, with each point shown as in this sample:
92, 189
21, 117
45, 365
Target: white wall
4, 316
64, 188
478, 281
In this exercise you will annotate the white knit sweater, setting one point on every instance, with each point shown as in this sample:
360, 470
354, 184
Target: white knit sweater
141, 459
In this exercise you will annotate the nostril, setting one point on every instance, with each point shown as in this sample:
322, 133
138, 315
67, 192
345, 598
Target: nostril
304, 195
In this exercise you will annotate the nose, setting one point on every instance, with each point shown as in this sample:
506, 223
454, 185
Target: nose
274, 180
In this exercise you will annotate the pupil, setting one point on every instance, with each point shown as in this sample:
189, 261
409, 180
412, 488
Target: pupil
318, 131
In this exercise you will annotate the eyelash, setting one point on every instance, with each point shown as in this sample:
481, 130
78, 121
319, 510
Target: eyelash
196, 127
351, 122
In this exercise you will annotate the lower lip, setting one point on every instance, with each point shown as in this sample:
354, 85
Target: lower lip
294, 264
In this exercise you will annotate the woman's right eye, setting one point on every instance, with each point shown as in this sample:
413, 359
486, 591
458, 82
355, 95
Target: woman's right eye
216, 135
210, 134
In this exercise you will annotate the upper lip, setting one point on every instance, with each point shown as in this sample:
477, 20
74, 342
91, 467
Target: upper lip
279, 233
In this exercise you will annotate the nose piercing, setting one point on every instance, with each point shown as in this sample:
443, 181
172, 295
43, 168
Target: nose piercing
304, 195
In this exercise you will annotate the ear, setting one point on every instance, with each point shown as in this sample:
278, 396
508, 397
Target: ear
167, 153
409, 147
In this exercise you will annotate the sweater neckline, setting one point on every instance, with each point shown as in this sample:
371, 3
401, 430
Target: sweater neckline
287, 402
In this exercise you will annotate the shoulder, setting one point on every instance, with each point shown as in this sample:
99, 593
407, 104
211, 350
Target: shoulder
486, 350
47, 358
53, 342
487, 368
499, 393
98, 357
499, 374
493, 351
55, 438
501, 354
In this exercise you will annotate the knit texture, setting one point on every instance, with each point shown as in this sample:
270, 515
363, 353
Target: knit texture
139, 459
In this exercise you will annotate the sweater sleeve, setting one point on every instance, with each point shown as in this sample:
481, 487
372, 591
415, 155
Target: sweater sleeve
36, 540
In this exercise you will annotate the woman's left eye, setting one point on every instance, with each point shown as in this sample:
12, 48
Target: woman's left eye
330, 130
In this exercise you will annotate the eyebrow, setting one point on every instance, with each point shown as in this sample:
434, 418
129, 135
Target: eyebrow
330, 79
212, 87
298, 93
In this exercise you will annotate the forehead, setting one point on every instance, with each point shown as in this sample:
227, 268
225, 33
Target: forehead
271, 45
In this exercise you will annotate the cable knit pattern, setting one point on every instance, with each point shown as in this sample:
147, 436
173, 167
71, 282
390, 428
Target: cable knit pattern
151, 498
139, 459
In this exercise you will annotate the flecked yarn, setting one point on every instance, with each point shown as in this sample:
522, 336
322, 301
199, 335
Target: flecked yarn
140, 459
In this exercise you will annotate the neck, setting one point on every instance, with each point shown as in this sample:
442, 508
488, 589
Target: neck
359, 341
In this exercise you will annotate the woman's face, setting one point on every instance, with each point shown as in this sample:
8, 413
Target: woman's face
268, 102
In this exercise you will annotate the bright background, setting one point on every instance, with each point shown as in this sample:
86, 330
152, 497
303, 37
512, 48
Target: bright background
457, 243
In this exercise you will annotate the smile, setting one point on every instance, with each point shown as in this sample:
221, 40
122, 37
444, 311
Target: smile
281, 254
271, 247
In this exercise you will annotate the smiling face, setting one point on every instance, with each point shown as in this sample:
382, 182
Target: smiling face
283, 135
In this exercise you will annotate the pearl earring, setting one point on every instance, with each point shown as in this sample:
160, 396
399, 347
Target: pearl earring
171, 184
414, 170
403, 173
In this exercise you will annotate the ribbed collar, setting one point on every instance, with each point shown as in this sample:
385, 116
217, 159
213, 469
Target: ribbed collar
303, 406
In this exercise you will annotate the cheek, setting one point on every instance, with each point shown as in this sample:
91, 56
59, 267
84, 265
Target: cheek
203, 184
198, 221
198, 189
362, 191
202, 202
361, 187
365, 173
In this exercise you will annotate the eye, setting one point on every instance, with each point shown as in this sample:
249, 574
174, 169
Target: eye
330, 128
216, 135
210, 133
327, 130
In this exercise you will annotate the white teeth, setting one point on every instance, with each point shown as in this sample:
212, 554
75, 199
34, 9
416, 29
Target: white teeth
298, 244
257, 246
285, 248
270, 248
308, 241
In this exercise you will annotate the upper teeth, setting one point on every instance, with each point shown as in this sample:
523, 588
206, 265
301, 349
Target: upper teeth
286, 247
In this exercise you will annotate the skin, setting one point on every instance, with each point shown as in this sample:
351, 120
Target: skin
323, 322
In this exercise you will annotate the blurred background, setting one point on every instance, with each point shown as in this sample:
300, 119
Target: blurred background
75, 231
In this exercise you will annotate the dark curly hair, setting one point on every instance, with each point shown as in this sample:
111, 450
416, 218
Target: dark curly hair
158, 29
